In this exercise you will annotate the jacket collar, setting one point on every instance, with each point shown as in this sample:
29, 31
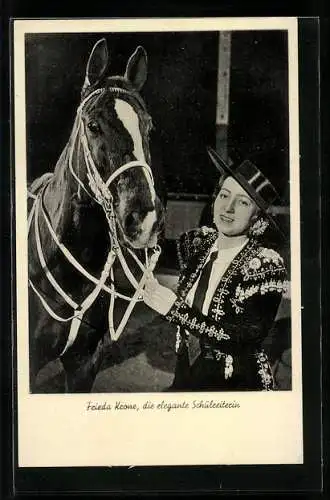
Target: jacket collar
195, 264
198, 260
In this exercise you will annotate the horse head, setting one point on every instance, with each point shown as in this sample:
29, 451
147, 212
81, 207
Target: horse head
111, 140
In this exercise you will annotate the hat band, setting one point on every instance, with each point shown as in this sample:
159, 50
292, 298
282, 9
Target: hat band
260, 188
252, 192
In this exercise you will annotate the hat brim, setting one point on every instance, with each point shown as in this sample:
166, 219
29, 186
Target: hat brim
224, 168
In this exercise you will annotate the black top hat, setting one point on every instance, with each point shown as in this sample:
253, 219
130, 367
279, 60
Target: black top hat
252, 179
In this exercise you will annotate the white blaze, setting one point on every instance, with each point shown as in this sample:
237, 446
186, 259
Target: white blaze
130, 120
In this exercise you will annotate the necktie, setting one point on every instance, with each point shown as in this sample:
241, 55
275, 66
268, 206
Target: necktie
203, 282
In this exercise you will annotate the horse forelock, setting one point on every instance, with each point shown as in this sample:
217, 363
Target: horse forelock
123, 83
111, 84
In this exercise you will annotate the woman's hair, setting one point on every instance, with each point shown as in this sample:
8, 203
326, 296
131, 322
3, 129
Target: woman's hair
218, 186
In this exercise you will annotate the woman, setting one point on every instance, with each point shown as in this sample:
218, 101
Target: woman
229, 289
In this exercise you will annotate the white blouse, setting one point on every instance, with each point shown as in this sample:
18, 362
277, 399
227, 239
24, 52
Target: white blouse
221, 263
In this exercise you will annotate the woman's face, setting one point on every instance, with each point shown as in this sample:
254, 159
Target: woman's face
233, 209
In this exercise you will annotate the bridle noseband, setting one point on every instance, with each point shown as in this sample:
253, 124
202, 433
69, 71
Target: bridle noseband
100, 192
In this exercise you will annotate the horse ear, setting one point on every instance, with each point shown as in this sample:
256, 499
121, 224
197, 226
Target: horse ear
136, 69
97, 63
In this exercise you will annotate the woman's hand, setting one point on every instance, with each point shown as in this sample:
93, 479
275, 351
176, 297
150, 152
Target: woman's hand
158, 297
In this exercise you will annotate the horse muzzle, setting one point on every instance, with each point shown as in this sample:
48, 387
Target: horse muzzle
141, 228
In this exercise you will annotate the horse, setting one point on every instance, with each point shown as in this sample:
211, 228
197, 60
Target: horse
93, 222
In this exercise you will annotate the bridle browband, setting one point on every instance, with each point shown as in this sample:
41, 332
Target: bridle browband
99, 191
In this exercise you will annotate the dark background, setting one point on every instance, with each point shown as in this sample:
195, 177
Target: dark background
180, 93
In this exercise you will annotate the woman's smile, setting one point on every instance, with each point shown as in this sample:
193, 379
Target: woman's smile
226, 219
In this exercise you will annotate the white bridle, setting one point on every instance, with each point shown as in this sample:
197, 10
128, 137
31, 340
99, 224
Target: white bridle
100, 192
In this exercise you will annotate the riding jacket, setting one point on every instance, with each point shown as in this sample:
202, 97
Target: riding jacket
241, 312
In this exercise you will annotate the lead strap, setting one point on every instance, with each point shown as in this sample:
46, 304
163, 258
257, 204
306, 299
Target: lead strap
116, 334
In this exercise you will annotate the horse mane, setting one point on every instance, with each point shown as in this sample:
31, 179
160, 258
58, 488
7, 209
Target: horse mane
59, 192
35, 186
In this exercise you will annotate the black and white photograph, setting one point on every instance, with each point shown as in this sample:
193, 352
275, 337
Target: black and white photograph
158, 258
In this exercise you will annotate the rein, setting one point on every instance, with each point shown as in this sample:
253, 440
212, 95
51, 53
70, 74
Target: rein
99, 191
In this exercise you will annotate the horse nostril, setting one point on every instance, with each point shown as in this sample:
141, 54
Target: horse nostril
149, 208
131, 219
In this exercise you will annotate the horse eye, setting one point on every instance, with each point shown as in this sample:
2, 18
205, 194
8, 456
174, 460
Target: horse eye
93, 127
